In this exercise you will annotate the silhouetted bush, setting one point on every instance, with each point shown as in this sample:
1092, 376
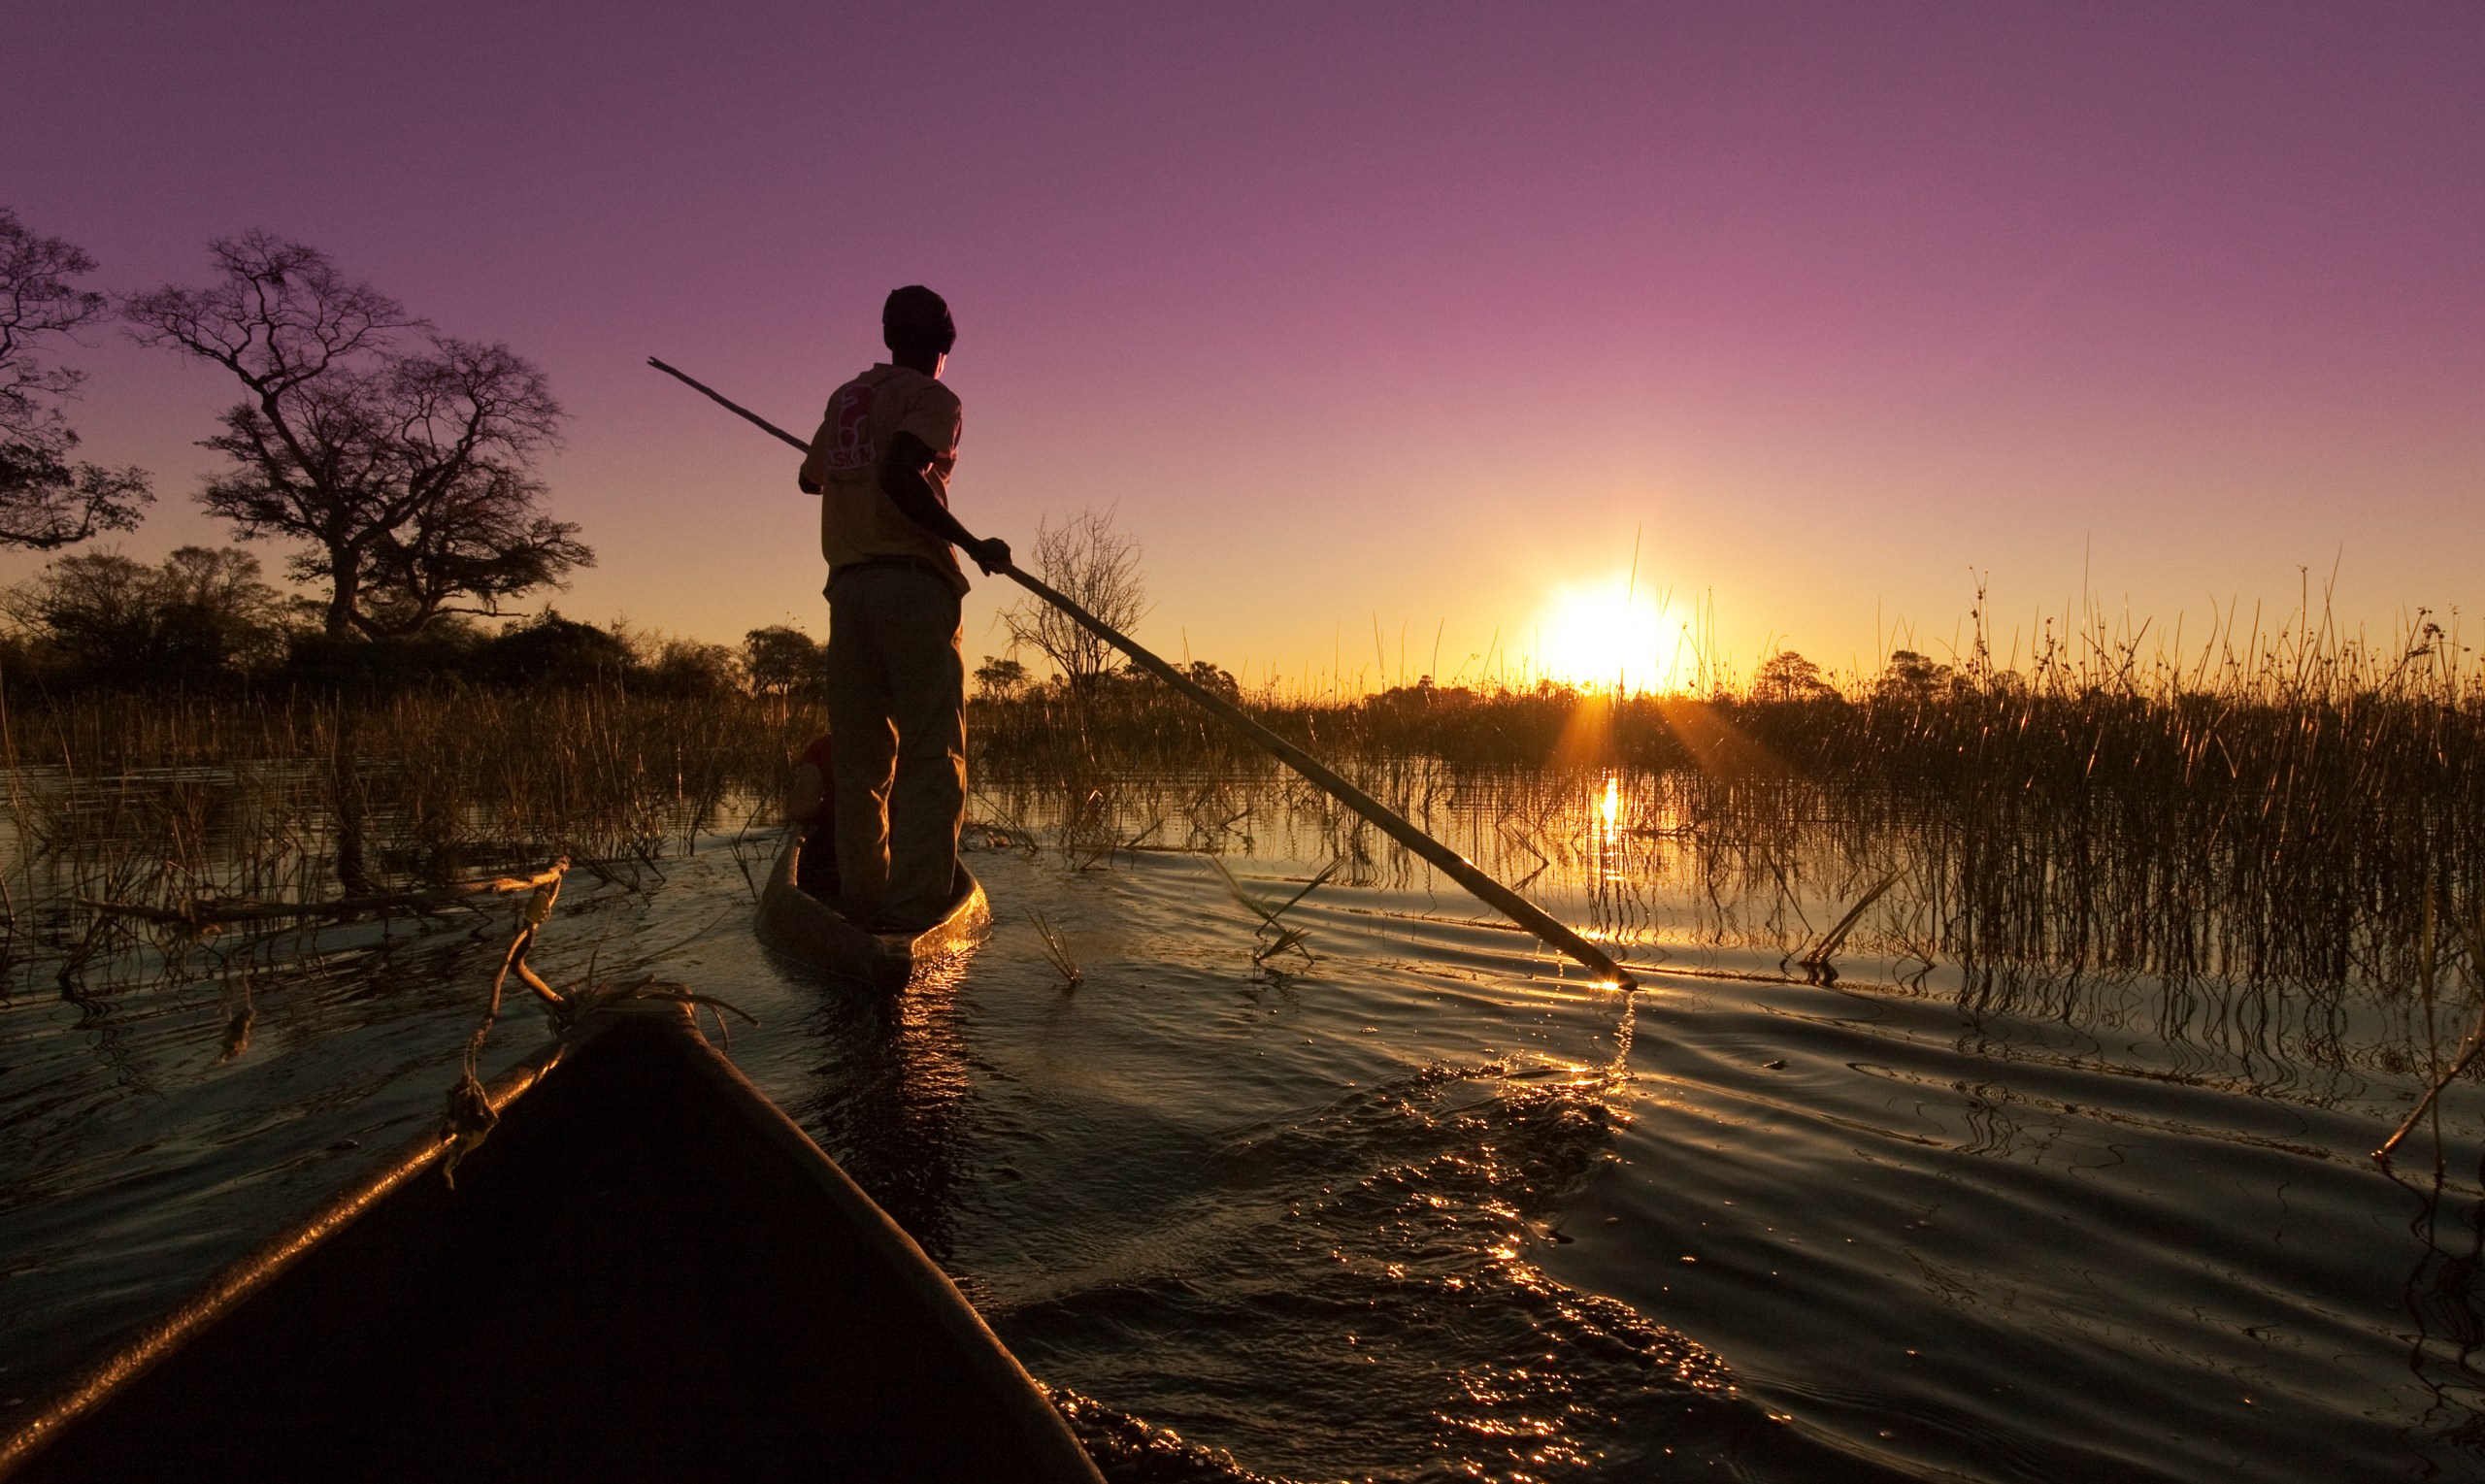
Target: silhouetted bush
200, 618
552, 650
320, 661
782, 661
692, 669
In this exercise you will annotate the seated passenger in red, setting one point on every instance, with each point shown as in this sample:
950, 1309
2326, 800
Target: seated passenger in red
812, 804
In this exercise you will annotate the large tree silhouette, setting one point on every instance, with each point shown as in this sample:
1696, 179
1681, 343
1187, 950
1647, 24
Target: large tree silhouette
402, 472
47, 500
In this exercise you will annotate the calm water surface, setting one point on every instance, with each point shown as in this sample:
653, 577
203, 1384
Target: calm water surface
1419, 1204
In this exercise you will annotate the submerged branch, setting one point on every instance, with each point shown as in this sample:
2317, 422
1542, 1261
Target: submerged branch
1817, 961
199, 915
2470, 1046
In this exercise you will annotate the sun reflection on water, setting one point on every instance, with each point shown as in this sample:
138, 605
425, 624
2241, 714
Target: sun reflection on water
1604, 830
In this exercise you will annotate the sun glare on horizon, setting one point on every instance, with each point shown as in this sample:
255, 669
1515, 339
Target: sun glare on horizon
1612, 633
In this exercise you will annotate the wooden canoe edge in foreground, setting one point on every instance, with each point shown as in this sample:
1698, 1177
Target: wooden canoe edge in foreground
244, 1276
741, 1310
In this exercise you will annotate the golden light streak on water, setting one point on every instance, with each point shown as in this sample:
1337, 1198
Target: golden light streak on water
1605, 834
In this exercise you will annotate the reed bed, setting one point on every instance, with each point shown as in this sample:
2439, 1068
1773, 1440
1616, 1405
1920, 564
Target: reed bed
2256, 832
165, 799
2282, 822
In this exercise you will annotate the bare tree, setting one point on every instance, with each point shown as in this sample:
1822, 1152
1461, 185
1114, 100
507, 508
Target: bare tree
46, 500
483, 540
1094, 566
404, 473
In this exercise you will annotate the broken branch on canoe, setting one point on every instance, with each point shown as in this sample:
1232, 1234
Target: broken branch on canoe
1510, 903
471, 1115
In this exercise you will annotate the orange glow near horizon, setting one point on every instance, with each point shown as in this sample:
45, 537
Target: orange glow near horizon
1609, 634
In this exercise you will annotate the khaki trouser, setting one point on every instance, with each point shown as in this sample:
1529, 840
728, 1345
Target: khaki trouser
897, 708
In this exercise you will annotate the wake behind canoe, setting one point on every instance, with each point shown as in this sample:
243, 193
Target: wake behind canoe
646, 1272
801, 927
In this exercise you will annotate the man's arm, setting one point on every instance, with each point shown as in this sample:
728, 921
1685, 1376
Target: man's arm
804, 479
902, 480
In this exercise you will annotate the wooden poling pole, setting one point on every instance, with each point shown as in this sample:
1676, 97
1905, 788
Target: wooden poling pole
734, 408
1390, 822
1396, 826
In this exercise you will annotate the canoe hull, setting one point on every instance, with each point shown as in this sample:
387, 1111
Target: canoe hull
646, 1272
798, 926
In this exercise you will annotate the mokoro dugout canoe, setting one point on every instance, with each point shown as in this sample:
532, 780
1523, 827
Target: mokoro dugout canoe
803, 927
647, 1273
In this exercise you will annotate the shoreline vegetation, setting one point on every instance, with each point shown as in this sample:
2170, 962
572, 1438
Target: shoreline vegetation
2333, 728
2320, 790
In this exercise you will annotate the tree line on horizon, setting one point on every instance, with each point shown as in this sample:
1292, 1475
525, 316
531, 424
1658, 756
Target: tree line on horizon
394, 461
205, 620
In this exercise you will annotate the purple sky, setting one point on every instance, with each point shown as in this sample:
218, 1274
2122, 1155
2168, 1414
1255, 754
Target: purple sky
1388, 315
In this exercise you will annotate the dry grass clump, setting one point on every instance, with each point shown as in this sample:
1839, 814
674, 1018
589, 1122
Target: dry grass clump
1055, 949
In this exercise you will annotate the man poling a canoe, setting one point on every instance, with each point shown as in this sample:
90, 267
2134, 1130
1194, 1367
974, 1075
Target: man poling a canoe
880, 464
933, 532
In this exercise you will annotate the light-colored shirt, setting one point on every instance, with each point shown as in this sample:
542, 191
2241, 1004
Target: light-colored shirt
857, 519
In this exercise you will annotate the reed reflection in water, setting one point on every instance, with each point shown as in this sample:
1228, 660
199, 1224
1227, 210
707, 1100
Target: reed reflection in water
2017, 905
2070, 995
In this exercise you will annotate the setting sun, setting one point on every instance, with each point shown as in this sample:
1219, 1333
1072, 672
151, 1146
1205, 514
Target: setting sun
1610, 633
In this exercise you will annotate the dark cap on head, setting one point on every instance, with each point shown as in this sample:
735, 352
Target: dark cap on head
916, 316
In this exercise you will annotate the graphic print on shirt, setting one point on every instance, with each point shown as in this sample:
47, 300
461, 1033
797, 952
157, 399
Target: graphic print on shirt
852, 411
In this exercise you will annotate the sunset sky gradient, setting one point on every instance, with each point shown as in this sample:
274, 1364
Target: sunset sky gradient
1391, 318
